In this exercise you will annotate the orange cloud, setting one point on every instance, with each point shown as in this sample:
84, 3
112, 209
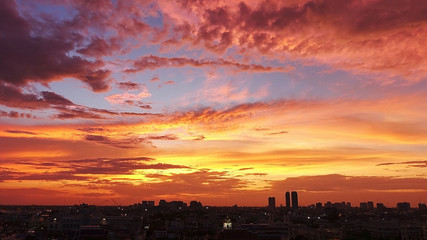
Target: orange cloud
373, 36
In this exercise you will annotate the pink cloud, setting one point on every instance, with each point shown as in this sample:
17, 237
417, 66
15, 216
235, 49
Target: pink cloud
154, 62
155, 79
369, 36
169, 82
129, 86
122, 98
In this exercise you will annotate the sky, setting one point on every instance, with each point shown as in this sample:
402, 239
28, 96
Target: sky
223, 102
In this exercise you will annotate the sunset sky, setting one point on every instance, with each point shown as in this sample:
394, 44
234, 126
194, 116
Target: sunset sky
224, 102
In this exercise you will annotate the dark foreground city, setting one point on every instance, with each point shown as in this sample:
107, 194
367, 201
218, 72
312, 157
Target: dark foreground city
178, 220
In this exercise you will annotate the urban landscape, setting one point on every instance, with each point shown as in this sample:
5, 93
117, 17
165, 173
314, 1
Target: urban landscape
213, 119
179, 220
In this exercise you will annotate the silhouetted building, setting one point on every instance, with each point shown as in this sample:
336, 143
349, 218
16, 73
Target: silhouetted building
294, 200
364, 205
403, 206
370, 205
147, 203
288, 200
380, 206
319, 205
163, 203
196, 205
271, 203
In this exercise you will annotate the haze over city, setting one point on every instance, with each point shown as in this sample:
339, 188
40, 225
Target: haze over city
223, 102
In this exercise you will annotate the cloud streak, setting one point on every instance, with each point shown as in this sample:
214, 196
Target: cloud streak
154, 62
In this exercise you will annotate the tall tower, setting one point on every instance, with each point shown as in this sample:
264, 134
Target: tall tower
294, 200
288, 201
271, 203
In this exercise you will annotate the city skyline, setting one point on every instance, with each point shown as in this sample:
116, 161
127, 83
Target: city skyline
223, 102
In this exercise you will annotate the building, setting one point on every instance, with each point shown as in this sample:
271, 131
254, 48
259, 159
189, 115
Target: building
380, 206
147, 203
288, 200
227, 225
271, 203
403, 206
294, 200
163, 203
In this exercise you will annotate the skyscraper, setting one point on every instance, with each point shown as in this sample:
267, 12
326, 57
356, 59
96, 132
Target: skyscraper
288, 200
271, 202
294, 200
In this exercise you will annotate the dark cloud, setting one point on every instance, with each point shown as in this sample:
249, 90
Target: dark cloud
419, 164
131, 142
74, 169
91, 129
100, 47
129, 86
55, 99
7, 174
244, 169
162, 137
145, 106
112, 160
51, 176
278, 133
199, 138
13, 97
96, 138
19, 131
76, 112
154, 62
123, 143
141, 114
262, 129
256, 174
14, 114
120, 167
31, 56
